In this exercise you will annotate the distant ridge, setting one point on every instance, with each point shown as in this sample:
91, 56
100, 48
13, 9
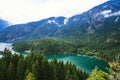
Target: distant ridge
102, 19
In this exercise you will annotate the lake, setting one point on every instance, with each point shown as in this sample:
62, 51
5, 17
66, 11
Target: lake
84, 62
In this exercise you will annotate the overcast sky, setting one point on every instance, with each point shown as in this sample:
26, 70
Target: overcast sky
22, 11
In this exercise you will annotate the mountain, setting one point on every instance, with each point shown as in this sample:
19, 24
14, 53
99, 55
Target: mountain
89, 22
32, 30
4, 24
100, 23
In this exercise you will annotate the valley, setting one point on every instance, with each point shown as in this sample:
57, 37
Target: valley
95, 32
84, 46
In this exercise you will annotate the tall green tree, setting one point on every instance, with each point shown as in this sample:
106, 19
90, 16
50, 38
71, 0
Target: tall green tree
11, 72
21, 69
3, 70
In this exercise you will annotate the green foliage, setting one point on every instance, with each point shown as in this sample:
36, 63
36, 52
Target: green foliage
22, 46
45, 45
104, 43
30, 76
98, 75
37, 67
84, 45
11, 71
114, 72
115, 69
21, 69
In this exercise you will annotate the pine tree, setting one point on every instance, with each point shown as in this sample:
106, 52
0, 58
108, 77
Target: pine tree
21, 69
3, 70
11, 72
45, 69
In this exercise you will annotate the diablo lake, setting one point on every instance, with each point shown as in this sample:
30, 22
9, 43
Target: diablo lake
83, 62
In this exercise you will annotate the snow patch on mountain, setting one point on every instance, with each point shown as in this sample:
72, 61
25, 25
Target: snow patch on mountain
108, 13
116, 20
51, 21
65, 20
58, 24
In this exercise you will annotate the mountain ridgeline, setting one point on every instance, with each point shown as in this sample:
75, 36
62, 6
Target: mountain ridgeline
96, 31
102, 19
32, 30
90, 22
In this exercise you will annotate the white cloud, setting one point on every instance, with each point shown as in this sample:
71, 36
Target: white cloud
22, 11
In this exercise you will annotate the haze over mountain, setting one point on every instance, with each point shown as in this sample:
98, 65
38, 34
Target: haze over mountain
102, 19
23, 11
4, 24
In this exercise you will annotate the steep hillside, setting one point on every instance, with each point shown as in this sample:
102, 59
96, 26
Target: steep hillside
95, 32
32, 30
93, 20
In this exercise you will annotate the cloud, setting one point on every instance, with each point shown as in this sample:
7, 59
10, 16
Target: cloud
22, 11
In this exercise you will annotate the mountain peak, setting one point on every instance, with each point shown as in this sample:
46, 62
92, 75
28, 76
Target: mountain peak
97, 19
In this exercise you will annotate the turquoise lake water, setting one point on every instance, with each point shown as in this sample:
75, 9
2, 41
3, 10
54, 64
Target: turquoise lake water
84, 62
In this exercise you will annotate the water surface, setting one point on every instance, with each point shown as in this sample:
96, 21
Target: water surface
84, 62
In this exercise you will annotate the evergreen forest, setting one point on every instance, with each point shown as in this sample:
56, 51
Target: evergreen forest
37, 67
